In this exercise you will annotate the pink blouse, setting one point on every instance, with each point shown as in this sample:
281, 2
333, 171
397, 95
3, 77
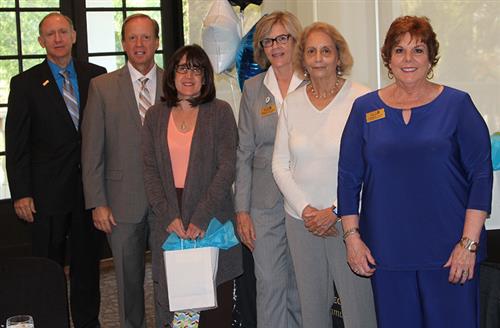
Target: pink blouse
179, 145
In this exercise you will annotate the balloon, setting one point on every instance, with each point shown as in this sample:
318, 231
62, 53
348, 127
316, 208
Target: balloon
245, 65
221, 35
243, 3
495, 150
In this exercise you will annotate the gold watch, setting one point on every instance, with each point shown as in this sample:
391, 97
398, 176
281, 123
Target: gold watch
469, 244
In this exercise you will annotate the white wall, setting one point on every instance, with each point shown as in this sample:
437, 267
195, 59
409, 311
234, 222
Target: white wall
468, 32
470, 56
354, 19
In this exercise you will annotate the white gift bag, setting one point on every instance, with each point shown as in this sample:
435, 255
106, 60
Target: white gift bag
191, 275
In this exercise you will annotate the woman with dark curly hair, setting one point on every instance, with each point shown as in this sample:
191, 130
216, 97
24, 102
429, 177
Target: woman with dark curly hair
420, 153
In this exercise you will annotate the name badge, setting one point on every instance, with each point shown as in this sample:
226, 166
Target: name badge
267, 110
375, 115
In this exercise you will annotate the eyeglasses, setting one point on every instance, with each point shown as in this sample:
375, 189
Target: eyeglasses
183, 69
280, 39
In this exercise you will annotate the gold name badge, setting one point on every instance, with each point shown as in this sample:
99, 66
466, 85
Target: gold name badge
375, 115
268, 110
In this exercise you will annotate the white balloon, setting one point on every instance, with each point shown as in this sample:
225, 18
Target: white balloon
221, 35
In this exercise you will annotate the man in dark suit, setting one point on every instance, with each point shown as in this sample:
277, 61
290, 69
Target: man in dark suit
43, 148
112, 160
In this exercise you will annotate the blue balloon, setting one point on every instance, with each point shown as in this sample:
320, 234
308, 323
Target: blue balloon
495, 151
246, 67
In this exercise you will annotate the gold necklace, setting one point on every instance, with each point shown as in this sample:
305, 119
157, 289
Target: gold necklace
184, 126
183, 113
327, 94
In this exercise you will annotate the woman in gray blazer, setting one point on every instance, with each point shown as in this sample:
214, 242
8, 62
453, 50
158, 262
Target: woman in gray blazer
259, 203
189, 151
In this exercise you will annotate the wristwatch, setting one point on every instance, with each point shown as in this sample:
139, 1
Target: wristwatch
334, 210
469, 244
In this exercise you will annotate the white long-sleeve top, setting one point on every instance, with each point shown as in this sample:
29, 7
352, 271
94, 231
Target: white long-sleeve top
306, 150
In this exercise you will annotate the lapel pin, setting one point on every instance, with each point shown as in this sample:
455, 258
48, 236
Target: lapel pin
268, 99
45, 82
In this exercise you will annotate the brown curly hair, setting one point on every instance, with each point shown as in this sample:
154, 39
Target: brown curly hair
419, 28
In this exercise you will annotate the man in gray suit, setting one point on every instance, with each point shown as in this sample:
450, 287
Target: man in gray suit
112, 160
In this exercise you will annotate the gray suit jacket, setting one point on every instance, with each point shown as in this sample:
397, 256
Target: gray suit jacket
255, 186
207, 192
111, 146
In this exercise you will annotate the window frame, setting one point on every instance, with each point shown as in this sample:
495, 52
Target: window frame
171, 26
172, 33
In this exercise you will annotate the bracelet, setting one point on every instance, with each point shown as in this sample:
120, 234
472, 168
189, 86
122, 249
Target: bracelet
350, 232
469, 244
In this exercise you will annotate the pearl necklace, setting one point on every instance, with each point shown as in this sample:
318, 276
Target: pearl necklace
325, 95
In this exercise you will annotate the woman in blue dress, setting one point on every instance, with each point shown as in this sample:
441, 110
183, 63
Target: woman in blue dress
420, 153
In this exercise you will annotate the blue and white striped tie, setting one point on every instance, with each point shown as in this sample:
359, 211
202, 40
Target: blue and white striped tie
69, 96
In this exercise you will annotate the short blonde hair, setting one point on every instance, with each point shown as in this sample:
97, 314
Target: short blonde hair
289, 21
346, 60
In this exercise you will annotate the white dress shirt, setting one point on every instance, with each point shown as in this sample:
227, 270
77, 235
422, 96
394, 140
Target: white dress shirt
271, 83
135, 75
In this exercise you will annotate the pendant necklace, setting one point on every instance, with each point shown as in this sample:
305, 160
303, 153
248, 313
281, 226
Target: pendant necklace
184, 126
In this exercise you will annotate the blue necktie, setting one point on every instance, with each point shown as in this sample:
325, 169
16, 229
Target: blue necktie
69, 96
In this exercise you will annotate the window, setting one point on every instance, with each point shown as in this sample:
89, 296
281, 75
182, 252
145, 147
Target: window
104, 21
98, 26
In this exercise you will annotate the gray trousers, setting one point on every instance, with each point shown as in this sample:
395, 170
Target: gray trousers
318, 263
278, 304
128, 242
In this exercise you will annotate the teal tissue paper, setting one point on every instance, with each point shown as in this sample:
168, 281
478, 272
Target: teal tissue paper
217, 235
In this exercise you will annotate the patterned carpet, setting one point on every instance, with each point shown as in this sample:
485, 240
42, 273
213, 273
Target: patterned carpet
109, 301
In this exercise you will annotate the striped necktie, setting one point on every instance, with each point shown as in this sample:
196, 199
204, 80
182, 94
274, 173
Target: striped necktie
69, 97
144, 98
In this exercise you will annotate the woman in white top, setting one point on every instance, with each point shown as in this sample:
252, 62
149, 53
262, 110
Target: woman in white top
305, 168
258, 201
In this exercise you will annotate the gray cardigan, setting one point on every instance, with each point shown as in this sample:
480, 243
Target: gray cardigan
208, 188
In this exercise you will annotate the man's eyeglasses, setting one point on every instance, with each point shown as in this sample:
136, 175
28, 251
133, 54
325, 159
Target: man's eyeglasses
183, 69
280, 39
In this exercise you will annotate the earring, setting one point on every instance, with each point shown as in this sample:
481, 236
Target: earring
389, 74
306, 74
339, 70
430, 74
